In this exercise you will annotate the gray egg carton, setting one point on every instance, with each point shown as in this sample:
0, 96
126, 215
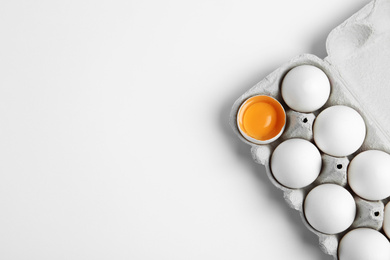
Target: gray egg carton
358, 67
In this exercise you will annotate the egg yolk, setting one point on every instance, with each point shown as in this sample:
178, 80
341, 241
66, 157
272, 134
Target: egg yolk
261, 117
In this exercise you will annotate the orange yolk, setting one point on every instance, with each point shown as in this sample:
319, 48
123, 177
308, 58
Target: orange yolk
261, 117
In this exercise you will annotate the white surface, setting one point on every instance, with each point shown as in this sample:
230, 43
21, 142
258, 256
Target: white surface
305, 88
114, 134
368, 175
296, 163
339, 131
329, 208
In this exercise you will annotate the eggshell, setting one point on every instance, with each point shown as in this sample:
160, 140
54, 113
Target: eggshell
386, 220
261, 119
369, 175
305, 88
329, 208
364, 244
296, 163
339, 131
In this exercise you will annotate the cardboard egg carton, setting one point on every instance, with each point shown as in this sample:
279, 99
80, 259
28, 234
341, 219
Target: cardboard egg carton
358, 67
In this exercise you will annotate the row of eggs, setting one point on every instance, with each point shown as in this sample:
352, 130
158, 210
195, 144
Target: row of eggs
338, 130
295, 163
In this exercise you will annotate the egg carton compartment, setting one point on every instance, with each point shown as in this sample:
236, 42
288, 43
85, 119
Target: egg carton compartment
358, 60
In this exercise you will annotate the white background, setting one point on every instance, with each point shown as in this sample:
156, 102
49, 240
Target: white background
114, 135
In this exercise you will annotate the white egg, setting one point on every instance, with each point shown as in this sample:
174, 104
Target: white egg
364, 244
386, 220
369, 175
329, 208
305, 88
339, 131
296, 163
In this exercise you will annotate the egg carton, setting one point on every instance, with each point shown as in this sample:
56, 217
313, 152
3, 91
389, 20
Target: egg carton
358, 68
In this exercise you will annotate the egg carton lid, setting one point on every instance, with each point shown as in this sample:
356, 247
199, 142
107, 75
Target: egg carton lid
359, 51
